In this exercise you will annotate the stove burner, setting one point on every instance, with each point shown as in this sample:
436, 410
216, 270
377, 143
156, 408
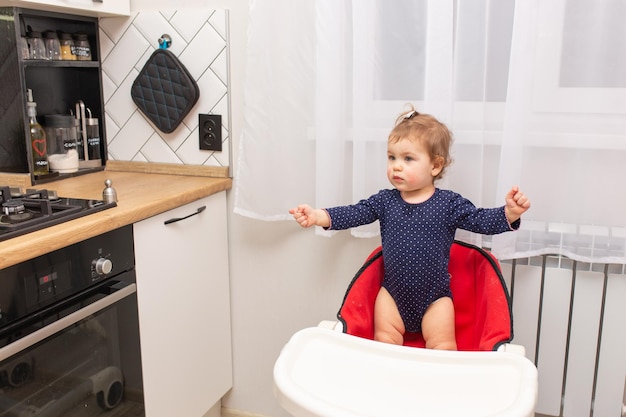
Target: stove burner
15, 218
31, 210
13, 207
40, 194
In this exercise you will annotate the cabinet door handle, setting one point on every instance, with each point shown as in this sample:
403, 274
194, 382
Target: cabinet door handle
177, 219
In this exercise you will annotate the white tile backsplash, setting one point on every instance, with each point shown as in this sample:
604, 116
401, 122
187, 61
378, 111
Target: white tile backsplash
214, 90
114, 28
158, 151
202, 51
199, 40
120, 107
106, 45
179, 136
124, 55
131, 138
153, 25
188, 22
219, 21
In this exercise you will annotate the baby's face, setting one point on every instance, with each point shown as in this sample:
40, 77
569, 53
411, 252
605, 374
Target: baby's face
409, 167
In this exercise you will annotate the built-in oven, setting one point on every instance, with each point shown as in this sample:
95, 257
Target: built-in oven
69, 332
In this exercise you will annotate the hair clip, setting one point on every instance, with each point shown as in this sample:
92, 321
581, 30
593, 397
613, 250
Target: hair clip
411, 115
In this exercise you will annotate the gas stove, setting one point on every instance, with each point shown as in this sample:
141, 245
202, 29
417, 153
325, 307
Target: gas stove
31, 210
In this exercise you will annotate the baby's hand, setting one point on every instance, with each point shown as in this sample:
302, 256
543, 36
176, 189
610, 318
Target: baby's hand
304, 215
516, 204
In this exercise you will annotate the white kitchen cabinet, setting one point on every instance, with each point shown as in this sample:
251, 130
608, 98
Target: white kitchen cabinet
79, 7
184, 308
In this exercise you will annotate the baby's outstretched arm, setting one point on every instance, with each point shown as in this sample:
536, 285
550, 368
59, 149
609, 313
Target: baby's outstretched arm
307, 216
516, 204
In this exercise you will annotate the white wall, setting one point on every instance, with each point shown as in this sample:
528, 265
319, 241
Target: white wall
283, 278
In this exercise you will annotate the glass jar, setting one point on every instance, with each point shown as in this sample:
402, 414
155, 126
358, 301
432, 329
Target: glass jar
52, 45
82, 49
63, 142
24, 48
67, 46
37, 48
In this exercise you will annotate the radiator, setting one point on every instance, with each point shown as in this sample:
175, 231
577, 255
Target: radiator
570, 316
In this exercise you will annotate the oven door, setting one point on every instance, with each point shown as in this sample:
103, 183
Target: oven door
82, 360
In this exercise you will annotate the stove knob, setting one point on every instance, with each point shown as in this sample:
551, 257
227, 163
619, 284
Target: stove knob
103, 266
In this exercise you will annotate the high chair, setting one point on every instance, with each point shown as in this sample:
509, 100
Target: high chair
337, 370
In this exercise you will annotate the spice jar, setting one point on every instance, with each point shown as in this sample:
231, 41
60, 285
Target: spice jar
82, 49
52, 45
67, 47
24, 49
37, 48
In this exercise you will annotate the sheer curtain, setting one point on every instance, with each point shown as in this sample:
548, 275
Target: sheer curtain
534, 91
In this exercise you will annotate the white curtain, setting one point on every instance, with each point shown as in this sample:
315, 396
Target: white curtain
534, 92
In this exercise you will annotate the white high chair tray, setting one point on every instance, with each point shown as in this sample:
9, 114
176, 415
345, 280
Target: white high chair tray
325, 373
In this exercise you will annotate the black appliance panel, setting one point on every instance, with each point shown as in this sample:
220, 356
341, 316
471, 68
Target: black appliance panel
50, 286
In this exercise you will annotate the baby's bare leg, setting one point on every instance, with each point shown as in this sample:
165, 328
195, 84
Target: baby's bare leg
438, 325
388, 324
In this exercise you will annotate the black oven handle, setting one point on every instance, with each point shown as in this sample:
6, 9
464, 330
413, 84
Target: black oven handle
66, 321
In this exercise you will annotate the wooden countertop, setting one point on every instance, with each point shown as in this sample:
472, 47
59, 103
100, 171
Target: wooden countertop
140, 195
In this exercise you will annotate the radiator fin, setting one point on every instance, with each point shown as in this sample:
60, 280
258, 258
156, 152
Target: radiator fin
570, 318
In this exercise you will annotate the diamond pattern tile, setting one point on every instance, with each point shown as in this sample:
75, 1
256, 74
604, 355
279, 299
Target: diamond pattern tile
200, 41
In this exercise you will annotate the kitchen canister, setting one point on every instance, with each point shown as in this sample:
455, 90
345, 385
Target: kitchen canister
62, 135
93, 136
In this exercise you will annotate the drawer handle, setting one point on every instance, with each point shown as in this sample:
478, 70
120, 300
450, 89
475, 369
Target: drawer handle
177, 219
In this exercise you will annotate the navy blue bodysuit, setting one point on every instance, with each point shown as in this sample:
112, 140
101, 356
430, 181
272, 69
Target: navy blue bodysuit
416, 241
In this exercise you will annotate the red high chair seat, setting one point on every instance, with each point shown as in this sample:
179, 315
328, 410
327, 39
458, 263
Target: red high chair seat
482, 304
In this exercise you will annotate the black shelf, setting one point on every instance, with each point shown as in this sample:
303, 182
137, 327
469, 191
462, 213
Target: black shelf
57, 85
29, 63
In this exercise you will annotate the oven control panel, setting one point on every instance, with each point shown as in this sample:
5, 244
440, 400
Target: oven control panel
102, 266
33, 285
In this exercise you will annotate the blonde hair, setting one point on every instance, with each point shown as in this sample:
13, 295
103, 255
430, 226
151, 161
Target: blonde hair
427, 131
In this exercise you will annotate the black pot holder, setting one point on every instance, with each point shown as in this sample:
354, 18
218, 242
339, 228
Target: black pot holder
164, 90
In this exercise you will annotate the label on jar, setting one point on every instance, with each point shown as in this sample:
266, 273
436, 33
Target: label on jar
69, 144
93, 147
83, 52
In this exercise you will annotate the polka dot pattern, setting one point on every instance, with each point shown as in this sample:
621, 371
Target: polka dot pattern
416, 240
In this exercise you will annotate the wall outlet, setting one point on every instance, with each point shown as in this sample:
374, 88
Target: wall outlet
210, 132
